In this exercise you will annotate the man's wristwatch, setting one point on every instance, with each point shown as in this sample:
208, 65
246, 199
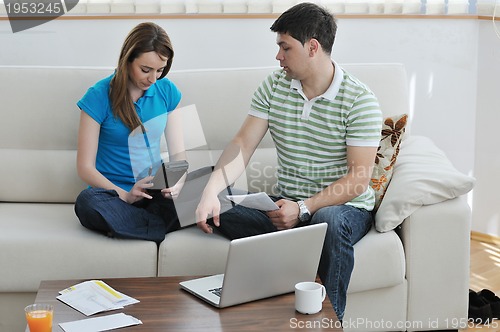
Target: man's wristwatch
304, 214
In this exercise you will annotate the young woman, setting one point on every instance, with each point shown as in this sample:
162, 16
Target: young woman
122, 121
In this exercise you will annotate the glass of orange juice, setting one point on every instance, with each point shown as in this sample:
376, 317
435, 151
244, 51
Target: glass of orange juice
39, 317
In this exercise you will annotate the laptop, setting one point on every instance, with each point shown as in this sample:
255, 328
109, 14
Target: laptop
263, 266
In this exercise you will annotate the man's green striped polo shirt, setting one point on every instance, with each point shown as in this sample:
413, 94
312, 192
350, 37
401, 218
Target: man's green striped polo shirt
311, 136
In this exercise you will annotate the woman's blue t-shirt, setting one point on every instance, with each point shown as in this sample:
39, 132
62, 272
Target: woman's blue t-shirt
123, 157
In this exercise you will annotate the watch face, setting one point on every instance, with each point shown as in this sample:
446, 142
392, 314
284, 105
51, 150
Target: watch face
304, 216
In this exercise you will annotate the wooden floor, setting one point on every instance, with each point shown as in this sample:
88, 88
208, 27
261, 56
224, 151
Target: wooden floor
485, 273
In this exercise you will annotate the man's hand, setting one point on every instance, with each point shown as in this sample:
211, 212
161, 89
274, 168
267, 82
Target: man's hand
209, 206
287, 215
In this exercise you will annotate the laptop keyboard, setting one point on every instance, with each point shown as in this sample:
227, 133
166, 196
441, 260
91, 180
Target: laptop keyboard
216, 291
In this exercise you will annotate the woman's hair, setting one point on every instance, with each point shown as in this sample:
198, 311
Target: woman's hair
145, 37
305, 21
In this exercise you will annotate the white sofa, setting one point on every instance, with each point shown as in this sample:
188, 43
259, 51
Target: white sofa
411, 278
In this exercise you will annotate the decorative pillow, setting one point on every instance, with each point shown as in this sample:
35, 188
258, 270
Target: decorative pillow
423, 175
393, 129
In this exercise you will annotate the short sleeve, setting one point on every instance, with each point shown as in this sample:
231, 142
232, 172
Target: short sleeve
364, 121
261, 104
171, 94
96, 101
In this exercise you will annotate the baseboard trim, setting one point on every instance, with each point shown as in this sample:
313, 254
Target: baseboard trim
481, 237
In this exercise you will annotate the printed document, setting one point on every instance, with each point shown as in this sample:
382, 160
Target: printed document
94, 296
260, 201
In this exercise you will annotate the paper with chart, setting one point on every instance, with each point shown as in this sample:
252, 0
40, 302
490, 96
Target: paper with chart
260, 201
94, 296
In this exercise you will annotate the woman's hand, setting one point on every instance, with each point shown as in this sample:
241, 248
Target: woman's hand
174, 191
138, 191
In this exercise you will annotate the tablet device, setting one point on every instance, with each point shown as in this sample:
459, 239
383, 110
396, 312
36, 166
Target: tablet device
169, 174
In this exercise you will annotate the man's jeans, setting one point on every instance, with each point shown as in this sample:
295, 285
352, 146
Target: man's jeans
346, 226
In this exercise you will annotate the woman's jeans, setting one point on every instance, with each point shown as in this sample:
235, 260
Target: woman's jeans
104, 211
148, 219
346, 226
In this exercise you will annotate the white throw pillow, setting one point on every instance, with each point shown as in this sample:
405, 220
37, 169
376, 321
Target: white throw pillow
423, 175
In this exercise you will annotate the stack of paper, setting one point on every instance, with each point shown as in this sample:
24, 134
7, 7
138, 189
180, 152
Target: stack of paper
91, 297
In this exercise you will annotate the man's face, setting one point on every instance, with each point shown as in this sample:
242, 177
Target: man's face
292, 55
146, 69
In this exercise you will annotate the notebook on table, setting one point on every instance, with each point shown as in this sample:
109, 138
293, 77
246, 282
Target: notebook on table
262, 266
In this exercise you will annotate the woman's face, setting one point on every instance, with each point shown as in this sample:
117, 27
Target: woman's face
145, 70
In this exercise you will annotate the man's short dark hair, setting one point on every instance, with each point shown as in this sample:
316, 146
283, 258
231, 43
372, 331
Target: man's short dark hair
305, 21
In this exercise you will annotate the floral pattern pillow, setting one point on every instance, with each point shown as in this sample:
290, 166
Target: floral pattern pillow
393, 130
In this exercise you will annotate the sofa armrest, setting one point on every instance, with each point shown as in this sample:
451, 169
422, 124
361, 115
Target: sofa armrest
436, 239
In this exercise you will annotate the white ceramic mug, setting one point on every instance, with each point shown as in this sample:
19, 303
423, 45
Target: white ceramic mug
309, 297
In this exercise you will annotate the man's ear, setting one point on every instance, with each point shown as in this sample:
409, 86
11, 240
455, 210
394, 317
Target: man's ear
314, 46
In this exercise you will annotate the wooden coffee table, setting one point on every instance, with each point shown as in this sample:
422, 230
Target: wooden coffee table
165, 307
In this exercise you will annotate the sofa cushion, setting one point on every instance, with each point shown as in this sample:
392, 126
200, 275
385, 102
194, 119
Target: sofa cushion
191, 252
380, 256
53, 143
389, 83
422, 176
214, 102
46, 242
35, 117
393, 130
39, 136
47, 176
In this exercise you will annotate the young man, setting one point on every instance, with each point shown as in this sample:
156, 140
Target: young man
326, 128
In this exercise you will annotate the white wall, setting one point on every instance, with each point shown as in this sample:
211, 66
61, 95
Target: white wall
440, 56
486, 213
